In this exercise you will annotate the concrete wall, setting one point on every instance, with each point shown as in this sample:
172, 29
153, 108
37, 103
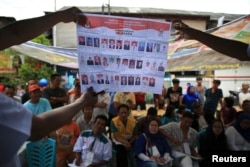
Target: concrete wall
198, 24
66, 35
232, 79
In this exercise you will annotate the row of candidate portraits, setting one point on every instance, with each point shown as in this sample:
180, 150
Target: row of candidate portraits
118, 44
90, 79
156, 65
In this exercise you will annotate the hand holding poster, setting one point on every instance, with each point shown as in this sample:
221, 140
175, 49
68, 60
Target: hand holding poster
122, 54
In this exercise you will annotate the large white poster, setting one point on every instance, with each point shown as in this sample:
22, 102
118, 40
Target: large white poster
122, 54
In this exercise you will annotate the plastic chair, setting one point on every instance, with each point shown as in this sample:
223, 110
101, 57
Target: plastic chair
41, 153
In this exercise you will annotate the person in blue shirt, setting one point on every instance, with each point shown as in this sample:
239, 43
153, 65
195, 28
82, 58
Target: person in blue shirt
37, 104
190, 98
169, 115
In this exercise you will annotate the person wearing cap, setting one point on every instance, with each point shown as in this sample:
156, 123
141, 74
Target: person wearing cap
36, 104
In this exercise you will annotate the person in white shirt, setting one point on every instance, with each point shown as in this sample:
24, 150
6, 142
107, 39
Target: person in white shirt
93, 148
183, 132
238, 137
102, 104
85, 120
244, 94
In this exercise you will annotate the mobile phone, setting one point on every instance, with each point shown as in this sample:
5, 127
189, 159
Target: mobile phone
97, 93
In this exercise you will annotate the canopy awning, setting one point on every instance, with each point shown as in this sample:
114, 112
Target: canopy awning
191, 55
54, 55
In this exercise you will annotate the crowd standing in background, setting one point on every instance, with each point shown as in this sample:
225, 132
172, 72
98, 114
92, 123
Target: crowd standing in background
190, 121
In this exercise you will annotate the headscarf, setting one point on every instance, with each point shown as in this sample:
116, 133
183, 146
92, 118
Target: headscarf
150, 136
190, 98
245, 133
194, 94
209, 143
157, 140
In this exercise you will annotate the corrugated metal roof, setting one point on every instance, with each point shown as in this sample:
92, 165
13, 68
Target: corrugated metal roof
158, 11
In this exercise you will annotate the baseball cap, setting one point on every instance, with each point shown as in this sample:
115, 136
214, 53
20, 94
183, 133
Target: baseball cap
33, 87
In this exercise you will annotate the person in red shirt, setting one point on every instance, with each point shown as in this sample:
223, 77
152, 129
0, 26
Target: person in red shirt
1, 87
140, 100
72, 91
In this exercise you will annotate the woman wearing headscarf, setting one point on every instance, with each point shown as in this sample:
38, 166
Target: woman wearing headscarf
151, 147
212, 140
238, 135
190, 98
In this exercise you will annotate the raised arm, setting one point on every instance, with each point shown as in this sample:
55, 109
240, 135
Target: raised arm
232, 48
24, 30
49, 121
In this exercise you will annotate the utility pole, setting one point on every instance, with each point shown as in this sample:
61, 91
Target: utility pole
54, 35
54, 27
108, 6
103, 7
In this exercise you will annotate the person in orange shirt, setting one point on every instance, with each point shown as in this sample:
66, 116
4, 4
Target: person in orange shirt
73, 91
65, 138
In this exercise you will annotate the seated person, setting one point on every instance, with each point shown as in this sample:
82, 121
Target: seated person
65, 138
85, 120
187, 136
228, 112
201, 118
124, 98
161, 102
211, 141
169, 115
238, 137
143, 122
180, 111
124, 133
93, 148
151, 147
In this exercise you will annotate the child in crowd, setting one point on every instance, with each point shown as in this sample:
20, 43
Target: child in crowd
65, 138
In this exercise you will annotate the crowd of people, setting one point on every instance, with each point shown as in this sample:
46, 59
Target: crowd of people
173, 143
190, 127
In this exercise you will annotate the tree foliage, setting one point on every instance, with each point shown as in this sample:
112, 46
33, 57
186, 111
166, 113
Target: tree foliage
27, 71
41, 39
31, 69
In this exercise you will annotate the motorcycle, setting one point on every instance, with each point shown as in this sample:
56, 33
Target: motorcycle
235, 95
